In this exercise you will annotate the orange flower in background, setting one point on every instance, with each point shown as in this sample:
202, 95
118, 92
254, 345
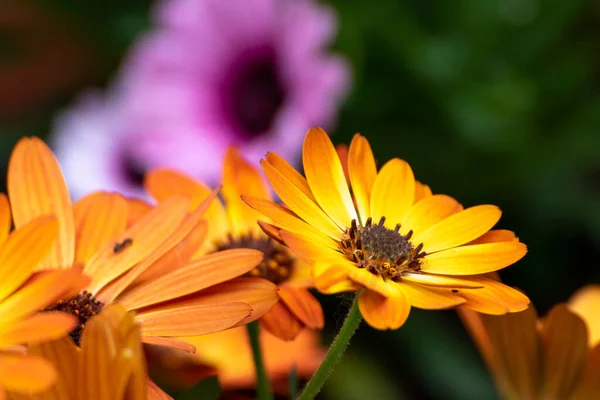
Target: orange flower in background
145, 267
234, 225
378, 239
109, 365
554, 357
230, 354
22, 294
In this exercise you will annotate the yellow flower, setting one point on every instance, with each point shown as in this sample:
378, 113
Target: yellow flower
143, 264
23, 293
429, 253
109, 365
233, 224
229, 352
555, 357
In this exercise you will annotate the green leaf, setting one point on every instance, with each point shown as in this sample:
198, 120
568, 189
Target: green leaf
207, 389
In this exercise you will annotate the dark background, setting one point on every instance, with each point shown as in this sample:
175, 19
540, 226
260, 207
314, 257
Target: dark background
492, 101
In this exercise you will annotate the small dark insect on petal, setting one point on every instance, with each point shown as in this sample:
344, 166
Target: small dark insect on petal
119, 247
454, 291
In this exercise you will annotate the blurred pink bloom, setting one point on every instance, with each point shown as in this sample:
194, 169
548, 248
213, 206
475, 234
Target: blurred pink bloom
255, 73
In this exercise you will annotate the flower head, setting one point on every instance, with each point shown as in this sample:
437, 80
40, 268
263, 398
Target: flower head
207, 77
233, 225
23, 293
142, 263
387, 236
109, 364
554, 357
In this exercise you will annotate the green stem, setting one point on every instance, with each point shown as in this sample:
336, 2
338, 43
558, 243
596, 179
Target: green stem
335, 353
263, 389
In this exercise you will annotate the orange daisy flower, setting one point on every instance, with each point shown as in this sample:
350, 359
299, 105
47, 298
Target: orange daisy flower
22, 294
399, 253
109, 365
233, 225
230, 354
555, 357
145, 267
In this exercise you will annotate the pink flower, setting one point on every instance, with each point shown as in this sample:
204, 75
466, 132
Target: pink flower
255, 73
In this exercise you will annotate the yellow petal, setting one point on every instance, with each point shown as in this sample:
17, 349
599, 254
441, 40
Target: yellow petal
342, 152
38, 328
285, 219
5, 217
241, 178
429, 298
393, 192
441, 281
193, 277
23, 252
26, 374
496, 235
362, 172
281, 322
145, 236
164, 183
586, 303
299, 203
193, 320
459, 228
309, 250
332, 278
429, 212
372, 282
509, 346
383, 312
290, 173
565, 344
494, 298
36, 187
99, 209
421, 191
326, 179
303, 305
474, 259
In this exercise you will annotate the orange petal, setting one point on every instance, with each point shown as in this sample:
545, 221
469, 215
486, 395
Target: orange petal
586, 303
589, 386
372, 282
393, 192
342, 153
239, 177
362, 172
164, 183
145, 236
36, 187
474, 259
421, 191
5, 217
193, 320
170, 343
429, 212
333, 278
285, 219
459, 228
271, 231
299, 203
429, 298
441, 281
38, 328
136, 209
281, 322
494, 298
383, 312
303, 305
326, 179
565, 344
39, 293
496, 235
193, 277
23, 251
285, 169
26, 374
509, 345
108, 210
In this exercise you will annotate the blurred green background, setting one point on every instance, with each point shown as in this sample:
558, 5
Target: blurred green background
493, 101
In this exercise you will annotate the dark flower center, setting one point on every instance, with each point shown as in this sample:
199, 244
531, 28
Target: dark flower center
277, 265
83, 306
132, 171
382, 251
255, 95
